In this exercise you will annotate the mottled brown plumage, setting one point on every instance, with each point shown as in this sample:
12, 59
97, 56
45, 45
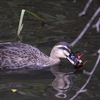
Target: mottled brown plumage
15, 55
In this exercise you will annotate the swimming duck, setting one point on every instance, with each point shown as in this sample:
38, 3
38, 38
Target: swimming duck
15, 55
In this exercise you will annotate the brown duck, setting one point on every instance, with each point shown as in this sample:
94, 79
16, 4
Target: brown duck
15, 55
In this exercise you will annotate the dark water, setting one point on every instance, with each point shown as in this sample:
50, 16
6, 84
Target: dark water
62, 24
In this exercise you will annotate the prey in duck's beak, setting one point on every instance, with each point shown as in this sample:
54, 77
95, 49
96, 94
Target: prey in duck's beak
76, 61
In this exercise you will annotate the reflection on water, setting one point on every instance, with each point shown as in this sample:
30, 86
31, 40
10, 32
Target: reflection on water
62, 83
39, 83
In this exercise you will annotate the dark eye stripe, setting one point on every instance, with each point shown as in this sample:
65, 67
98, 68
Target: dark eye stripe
65, 49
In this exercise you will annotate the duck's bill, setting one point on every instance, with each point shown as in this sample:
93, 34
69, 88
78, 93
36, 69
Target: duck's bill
77, 63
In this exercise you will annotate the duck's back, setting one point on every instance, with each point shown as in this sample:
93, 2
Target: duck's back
18, 55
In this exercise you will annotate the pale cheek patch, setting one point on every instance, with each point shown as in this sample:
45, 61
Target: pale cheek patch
61, 54
66, 53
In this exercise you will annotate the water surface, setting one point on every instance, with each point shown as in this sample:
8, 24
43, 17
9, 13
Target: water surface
62, 24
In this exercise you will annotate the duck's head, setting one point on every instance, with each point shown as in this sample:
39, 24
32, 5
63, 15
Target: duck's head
63, 50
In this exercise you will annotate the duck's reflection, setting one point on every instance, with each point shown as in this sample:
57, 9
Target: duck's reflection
63, 82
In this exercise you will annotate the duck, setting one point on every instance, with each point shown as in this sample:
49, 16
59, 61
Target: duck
15, 55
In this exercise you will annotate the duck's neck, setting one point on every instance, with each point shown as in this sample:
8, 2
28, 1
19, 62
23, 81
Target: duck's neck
52, 61
53, 57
